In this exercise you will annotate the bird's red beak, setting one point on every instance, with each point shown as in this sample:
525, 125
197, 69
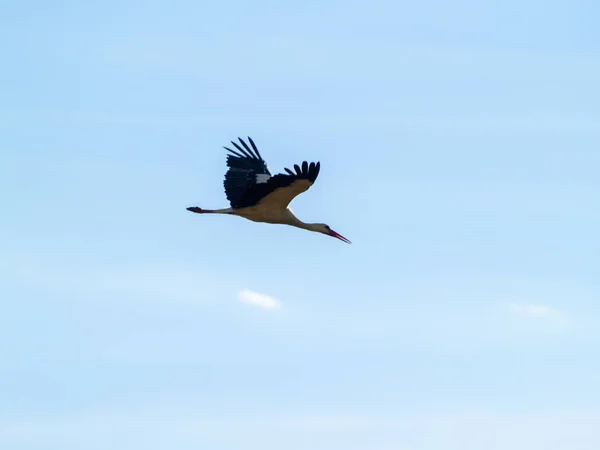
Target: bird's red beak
339, 236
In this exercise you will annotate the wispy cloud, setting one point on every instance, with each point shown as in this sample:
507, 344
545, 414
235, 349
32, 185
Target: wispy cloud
535, 311
259, 300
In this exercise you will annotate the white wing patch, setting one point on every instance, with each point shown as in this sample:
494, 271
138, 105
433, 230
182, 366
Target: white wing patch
262, 178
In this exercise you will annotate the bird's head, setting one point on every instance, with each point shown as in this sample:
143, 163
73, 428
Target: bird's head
326, 229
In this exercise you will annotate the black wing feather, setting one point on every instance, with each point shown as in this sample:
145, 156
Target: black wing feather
246, 154
254, 147
234, 152
242, 184
254, 155
242, 174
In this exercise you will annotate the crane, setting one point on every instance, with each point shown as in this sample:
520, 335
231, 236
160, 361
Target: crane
256, 195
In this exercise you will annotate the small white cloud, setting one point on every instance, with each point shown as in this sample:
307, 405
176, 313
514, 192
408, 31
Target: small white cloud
534, 311
259, 300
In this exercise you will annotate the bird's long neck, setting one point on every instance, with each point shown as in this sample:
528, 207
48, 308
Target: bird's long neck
309, 226
298, 223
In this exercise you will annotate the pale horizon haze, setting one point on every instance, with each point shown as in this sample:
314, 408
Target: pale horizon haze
459, 148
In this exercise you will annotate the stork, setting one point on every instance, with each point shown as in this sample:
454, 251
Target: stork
256, 195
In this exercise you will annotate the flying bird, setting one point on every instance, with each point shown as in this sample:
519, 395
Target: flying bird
256, 195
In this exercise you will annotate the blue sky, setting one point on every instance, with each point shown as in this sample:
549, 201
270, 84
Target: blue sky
459, 150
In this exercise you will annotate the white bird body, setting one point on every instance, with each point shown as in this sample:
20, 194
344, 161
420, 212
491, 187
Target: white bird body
257, 196
261, 213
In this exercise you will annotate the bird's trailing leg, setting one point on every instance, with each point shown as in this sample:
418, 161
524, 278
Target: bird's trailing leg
198, 210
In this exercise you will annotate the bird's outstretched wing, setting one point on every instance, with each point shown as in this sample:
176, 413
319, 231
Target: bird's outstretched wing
282, 188
246, 170
248, 181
